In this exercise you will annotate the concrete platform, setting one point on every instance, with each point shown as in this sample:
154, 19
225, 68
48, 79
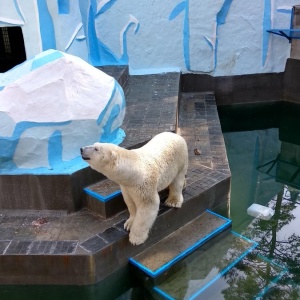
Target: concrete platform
49, 247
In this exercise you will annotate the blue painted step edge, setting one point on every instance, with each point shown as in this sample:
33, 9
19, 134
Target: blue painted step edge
100, 197
185, 253
222, 273
272, 282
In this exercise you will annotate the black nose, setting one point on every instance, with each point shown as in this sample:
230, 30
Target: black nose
81, 150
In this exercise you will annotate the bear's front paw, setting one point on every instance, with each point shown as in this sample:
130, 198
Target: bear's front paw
128, 223
137, 240
174, 202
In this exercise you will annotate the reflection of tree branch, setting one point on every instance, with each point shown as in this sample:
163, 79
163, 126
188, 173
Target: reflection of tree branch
275, 223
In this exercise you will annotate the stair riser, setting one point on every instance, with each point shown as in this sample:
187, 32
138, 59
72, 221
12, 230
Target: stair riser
105, 209
115, 256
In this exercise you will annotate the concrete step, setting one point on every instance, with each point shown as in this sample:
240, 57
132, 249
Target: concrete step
104, 198
159, 261
120, 73
218, 270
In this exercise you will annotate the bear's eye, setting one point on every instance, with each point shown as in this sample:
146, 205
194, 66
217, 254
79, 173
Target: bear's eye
96, 149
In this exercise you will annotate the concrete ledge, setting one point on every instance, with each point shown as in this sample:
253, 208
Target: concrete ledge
60, 192
237, 89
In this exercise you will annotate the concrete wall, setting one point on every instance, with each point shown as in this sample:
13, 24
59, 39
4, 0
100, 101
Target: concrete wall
217, 37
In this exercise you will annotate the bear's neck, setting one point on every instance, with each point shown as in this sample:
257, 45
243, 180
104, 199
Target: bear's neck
125, 170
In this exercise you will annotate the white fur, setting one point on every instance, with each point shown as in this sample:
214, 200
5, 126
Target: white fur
142, 173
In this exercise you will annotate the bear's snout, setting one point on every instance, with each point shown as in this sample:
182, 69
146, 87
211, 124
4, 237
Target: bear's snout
84, 154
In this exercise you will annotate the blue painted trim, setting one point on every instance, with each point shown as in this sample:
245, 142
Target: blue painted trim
104, 111
46, 26
186, 37
266, 289
177, 10
162, 293
125, 58
41, 61
63, 7
100, 197
284, 10
108, 136
8, 145
217, 215
243, 237
19, 10
185, 253
266, 25
220, 19
222, 14
55, 149
225, 270
272, 262
106, 7
274, 281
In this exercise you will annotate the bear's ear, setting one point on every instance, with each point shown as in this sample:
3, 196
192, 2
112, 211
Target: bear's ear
114, 156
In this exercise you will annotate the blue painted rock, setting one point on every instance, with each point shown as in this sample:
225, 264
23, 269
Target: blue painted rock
52, 105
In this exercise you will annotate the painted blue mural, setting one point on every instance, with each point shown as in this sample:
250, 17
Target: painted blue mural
118, 32
99, 53
183, 7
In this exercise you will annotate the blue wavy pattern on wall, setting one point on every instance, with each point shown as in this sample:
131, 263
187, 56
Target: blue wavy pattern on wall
220, 19
63, 7
266, 26
183, 7
99, 53
19, 10
9, 144
46, 26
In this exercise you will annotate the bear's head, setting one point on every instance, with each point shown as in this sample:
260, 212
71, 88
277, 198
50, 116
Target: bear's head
100, 155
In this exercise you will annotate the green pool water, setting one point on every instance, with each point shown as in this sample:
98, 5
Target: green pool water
263, 148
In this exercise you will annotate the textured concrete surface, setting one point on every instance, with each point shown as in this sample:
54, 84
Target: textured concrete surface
239, 89
151, 106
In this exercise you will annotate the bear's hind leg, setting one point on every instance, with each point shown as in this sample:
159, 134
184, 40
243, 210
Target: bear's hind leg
175, 197
144, 219
131, 208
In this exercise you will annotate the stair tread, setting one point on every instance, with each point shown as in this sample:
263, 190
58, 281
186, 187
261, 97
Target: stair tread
157, 258
204, 273
105, 187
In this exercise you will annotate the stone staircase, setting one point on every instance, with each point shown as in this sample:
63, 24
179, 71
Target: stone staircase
92, 239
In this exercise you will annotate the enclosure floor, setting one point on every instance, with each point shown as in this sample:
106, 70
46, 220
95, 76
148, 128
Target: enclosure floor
151, 108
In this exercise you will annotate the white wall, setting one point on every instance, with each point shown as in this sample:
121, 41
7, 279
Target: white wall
217, 37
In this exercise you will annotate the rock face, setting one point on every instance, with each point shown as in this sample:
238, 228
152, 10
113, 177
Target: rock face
52, 105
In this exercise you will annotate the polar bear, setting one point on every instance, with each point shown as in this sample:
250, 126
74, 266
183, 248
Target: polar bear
141, 173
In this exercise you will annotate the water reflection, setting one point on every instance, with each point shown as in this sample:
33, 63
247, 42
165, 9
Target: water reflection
279, 240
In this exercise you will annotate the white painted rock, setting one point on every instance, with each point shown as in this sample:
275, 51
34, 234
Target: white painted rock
52, 105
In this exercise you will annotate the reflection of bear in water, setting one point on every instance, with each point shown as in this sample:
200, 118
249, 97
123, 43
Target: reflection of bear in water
142, 173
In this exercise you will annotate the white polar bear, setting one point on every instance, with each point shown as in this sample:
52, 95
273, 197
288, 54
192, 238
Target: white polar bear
141, 174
